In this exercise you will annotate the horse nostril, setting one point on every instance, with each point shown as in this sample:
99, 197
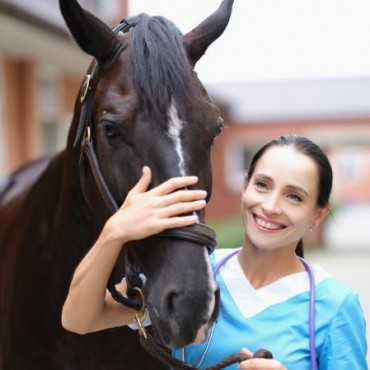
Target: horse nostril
171, 302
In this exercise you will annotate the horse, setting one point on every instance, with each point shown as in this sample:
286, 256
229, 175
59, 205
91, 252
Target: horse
140, 103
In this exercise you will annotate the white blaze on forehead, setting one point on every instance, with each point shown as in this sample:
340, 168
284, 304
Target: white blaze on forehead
175, 127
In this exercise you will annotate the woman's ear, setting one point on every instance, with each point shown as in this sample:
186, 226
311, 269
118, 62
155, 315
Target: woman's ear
321, 213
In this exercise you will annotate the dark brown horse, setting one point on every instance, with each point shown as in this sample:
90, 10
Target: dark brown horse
141, 103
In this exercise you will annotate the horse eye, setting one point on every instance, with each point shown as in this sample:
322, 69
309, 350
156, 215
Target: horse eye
110, 130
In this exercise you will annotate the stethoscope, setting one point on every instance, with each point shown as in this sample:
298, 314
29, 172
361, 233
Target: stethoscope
311, 312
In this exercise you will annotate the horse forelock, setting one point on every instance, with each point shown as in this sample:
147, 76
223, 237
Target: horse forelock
159, 67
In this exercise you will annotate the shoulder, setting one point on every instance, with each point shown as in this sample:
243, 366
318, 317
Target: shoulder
332, 290
339, 305
335, 298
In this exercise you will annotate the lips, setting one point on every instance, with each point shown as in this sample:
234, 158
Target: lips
268, 225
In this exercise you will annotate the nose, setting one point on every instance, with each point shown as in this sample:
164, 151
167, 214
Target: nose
186, 314
176, 302
271, 204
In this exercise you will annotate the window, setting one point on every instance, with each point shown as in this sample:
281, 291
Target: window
237, 161
54, 131
351, 163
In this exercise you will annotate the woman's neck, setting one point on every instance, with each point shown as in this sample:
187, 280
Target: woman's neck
263, 267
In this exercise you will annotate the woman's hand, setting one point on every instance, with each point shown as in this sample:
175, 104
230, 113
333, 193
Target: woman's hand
259, 363
145, 213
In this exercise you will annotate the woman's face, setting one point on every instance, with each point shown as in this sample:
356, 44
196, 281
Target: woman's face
279, 201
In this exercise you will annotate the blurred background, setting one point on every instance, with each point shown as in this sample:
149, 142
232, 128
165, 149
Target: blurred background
287, 66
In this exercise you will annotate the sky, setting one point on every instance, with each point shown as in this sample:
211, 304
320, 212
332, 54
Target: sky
277, 39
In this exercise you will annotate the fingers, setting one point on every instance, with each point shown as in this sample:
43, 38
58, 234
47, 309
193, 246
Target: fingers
246, 352
144, 181
184, 196
184, 207
254, 362
180, 221
261, 363
173, 184
167, 187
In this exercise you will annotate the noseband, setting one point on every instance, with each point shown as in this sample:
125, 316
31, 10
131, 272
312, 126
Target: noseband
199, 234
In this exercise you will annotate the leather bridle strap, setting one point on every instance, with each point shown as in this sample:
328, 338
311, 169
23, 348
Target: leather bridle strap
198, 233
86, 97
107, 196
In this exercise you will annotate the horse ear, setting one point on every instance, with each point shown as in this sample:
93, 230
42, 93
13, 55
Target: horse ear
91, 34
197, 41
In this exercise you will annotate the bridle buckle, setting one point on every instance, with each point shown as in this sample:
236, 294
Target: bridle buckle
85, 88
140, 315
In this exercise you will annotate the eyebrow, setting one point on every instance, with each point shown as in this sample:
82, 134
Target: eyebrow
290, 186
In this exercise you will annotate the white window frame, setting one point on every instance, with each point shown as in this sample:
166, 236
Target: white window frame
235, 170
50, 110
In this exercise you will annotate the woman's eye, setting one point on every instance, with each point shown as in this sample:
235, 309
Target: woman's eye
295, 198
261, 185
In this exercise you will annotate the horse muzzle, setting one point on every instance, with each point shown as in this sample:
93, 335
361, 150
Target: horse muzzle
182, 316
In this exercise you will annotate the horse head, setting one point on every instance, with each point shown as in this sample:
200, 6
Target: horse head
142, 104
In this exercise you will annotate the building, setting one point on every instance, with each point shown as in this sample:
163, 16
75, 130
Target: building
42, 69
40, 73
333, 112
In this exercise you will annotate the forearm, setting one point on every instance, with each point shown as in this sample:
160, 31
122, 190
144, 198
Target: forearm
86, 303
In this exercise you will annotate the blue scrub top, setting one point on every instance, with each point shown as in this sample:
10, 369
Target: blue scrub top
276, 317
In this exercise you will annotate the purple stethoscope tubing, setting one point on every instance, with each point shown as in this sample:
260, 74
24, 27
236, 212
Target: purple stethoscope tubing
311, 313
311, 277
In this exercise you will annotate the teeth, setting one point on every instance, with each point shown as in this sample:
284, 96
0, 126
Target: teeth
267, 225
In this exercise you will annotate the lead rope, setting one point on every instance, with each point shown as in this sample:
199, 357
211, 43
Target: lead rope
161, 354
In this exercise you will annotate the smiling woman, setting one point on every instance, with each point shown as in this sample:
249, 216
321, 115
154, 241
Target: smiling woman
270, 296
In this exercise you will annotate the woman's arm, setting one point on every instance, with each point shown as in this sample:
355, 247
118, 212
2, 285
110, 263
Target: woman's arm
345, 346
88, 306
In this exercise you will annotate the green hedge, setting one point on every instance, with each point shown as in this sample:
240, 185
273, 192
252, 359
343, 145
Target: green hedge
230, 232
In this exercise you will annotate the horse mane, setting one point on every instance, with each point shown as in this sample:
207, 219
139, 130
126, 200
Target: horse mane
158, 63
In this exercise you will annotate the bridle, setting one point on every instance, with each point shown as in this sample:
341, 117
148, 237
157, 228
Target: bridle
199, 233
